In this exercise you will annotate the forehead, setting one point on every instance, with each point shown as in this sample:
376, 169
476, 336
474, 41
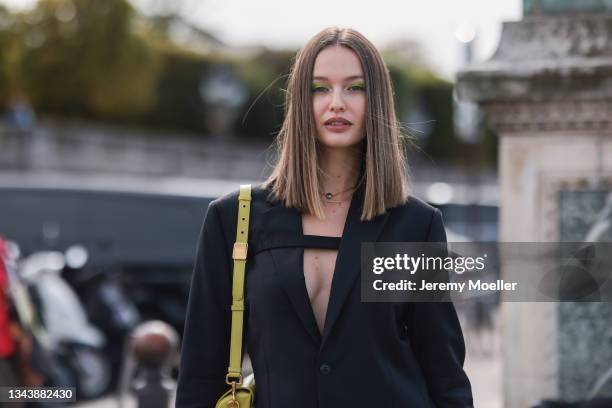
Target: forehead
337, 62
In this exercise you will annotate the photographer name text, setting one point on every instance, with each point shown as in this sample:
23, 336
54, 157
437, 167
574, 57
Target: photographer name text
478, 285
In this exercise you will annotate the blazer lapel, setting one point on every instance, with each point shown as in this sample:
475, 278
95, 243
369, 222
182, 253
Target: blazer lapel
348, 261
288, 262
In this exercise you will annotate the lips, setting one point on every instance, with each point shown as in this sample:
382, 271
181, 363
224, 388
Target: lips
337, 125
337, 121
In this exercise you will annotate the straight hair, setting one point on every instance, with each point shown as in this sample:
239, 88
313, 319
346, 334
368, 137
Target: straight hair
296, 177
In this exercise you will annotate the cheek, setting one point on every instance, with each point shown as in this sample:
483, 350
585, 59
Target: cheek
359, 109
318, 106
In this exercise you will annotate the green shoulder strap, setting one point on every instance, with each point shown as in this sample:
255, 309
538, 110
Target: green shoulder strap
239, 255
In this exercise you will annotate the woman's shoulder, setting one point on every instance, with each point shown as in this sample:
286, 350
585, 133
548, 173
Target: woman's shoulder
416, 207
229, 201
416, 218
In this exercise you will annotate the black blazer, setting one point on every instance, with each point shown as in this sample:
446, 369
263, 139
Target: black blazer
369, 355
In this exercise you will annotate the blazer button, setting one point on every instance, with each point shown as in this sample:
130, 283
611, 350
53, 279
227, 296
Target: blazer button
325, 369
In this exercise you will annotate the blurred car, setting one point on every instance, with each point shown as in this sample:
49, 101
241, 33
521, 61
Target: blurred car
149, 237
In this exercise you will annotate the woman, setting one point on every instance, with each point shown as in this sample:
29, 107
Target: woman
341, 173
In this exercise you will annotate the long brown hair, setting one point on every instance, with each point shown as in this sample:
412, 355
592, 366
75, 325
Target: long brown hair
296, 178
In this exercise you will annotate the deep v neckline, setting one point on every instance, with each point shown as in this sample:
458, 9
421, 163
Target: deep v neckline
317, 240
283, 231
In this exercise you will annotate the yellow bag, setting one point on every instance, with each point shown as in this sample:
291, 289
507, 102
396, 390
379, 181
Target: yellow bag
239, 396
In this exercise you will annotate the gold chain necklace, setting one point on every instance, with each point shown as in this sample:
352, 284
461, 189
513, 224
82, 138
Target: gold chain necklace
329, 195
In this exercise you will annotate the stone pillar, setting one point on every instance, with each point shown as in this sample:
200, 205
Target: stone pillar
547, 91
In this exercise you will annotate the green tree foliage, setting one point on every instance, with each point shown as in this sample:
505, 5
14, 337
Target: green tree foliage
100, 59
265, 76
82, 57
179, 103
10, 40
415, 84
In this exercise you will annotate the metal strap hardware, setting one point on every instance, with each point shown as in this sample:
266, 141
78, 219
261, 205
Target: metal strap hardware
240, 251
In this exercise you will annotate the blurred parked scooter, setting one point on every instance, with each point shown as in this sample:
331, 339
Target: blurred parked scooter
63, 326
107, 305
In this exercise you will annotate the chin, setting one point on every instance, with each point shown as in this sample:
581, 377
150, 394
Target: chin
339, 140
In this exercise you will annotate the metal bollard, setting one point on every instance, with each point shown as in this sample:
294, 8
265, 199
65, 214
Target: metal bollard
154, 346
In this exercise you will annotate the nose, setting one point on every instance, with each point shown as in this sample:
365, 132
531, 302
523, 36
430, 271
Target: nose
337, 102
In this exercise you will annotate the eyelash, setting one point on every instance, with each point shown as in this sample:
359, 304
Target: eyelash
320, 88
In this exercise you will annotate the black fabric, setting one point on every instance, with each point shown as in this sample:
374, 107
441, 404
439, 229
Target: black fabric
368, 354
291, 241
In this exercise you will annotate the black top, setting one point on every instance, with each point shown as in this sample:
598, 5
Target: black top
378, 354
292, 241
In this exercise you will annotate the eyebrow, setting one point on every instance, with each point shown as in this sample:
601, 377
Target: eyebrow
349, 78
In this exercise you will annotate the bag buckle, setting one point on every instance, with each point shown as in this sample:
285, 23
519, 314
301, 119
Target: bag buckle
233, 380
240, 251
233, 403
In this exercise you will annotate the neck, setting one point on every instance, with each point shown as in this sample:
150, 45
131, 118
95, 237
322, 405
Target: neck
340, 170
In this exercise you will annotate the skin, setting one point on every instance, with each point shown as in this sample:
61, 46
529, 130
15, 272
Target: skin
338, 90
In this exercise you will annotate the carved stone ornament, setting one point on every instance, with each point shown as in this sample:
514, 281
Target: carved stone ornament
548, 73
548, 116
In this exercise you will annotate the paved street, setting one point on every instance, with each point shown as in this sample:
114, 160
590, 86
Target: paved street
111, 402
485, 373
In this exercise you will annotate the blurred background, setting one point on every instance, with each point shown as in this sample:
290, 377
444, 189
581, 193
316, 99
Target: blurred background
121, 120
